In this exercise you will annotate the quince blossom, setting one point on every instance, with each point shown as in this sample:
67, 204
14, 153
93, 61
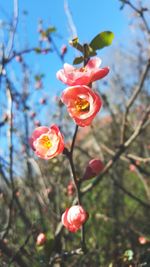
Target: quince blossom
82, 76
47, 142
82, 103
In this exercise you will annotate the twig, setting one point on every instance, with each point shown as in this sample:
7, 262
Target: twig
74, 138
51, 41
64, 255
19, 251
132, 99
9, 253
25, 51
15, 22
140, 12
144, 204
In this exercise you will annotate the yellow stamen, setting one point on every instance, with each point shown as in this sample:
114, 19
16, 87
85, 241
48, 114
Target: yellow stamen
82, 105
45, 141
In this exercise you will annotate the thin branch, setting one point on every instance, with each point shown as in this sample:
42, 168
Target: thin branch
74, 138
21, 249
64, 255
9, 252
25, 51
123, 189
132, 99
140, 12
14, 27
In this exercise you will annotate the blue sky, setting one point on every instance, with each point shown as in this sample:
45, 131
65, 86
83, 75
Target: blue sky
90, 17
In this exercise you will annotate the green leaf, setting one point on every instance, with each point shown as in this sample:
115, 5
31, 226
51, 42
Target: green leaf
101, 40
78, 60
50, 30
37, 50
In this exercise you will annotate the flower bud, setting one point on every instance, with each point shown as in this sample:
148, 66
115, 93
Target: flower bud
18, 58
37, 123
73, 218
42, 101
94, 167
63, 50
41, 239
142, 240
132, 167
32, 115
70, 189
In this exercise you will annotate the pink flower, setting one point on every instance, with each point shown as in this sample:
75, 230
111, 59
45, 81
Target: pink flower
74, 217
82, 76
94, 167
82, 103
47, 142
41, 239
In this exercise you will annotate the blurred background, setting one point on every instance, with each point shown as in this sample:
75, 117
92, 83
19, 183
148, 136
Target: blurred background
34, 45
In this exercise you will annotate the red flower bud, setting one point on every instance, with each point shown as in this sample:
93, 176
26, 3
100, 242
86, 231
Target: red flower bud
32, 115
94, 167
41, 239
74, 217
18, 58
70, 189
63, 50
132, 167
42, 101
142, 240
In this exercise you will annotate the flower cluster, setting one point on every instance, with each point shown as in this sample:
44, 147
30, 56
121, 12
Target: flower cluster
82, 104
81, 101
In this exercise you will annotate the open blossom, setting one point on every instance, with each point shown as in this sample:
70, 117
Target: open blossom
94, 167
74, 217
82, 103
41, 239
82, 76
47, 142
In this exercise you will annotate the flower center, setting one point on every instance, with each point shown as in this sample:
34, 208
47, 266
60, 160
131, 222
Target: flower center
82, 105
45, 141
83, 69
